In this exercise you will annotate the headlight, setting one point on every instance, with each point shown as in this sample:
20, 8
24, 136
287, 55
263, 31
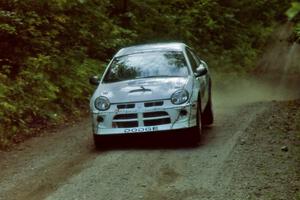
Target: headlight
102, 103
179, 97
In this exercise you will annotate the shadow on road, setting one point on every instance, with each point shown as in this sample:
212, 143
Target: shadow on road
167, 140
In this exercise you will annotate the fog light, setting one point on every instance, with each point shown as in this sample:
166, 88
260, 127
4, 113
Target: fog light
100, 119
183, 112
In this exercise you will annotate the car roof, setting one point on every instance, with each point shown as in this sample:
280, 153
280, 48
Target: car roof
172, 46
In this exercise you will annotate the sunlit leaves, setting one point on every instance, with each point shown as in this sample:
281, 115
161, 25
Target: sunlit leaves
293, 10
293, 13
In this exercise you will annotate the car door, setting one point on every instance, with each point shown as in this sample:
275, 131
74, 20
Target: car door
204, 80
199, 82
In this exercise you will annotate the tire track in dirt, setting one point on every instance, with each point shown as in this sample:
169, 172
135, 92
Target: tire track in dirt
201, 173
135, 173
41, 165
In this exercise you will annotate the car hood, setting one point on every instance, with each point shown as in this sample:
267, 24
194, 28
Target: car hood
142, 89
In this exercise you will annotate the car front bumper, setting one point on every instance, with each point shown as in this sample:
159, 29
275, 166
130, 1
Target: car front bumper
176, 117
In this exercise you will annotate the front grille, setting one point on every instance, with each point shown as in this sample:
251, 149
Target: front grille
156, 118
127, 124
126, 116
156, 122
126, 106
154, 103
125, 121
131, 120
155, 114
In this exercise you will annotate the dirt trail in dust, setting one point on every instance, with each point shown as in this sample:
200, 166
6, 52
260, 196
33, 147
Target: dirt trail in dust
276, 77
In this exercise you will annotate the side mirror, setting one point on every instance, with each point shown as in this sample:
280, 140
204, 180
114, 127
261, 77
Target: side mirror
201, 70
94, 80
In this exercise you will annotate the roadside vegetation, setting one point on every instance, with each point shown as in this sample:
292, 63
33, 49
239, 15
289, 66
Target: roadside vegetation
49, 48
293, 15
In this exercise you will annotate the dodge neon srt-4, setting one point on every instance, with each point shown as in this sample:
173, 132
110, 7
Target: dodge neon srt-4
152, 88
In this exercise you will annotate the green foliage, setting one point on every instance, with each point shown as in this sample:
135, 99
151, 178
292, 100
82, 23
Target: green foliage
297, 30
49, 48
213, 27
293, 10
293, 14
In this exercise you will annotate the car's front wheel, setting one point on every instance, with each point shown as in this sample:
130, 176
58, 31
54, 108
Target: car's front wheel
208, 117
97, 141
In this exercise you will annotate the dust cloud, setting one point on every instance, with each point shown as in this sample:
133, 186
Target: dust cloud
276, 77
255, 89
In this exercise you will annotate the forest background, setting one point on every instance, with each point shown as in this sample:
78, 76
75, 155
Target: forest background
49, 48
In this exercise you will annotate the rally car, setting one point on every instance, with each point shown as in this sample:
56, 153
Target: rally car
152, 88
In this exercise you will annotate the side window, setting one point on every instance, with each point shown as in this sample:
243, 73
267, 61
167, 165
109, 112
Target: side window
198, 61
192, 60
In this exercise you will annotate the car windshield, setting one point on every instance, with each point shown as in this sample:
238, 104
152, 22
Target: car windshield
147, 65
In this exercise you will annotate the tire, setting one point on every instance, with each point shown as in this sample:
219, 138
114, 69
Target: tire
97, 141
197, 131
208, 116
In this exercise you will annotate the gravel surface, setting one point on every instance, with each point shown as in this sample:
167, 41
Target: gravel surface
251, 152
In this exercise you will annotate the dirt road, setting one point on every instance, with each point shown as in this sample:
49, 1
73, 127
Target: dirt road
240, 157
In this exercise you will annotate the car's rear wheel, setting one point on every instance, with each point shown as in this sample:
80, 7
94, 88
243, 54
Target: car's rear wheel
197, 131
208, 116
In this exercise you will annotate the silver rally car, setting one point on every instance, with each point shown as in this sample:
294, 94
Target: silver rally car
152, 88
